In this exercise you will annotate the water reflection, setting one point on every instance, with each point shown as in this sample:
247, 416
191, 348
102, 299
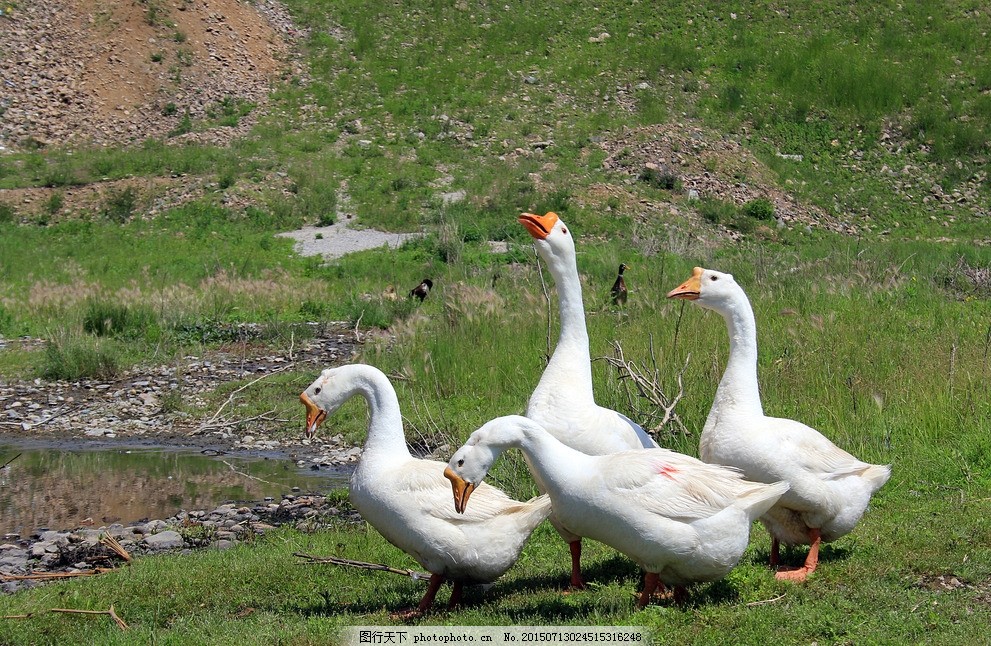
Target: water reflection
65, 488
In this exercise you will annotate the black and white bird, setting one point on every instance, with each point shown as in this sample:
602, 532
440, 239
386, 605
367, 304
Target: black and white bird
421, 290
619, 291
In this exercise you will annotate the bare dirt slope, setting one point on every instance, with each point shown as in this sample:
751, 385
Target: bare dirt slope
75, 71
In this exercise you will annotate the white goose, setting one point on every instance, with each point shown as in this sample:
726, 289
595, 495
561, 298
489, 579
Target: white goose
563, 402
830, 488
408, 500
680, 519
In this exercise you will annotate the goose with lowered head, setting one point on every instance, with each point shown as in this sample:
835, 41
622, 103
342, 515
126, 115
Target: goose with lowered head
563, 402
829, 488
408, 500
680, 519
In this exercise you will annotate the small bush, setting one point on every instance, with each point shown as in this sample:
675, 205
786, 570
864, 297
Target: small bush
185, 125
54, 203
71, 356
169, 110
759, 209
717, 211
120, 204
7, 213
661, 178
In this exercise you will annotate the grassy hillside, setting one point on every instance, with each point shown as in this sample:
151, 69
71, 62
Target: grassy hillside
869, 120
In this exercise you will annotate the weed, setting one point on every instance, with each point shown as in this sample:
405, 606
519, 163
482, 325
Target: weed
169, 109
119, 204
661, 177
717, 211
157, 57
54, 203
70, 356
184, 126
179, 37
105, 318
7, 213
759, 209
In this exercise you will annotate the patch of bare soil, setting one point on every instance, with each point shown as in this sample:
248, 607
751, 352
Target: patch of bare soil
84, 71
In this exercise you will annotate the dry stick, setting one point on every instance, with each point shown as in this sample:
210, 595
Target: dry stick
116, 547
333, 560
11, 460
648, 388
230, 397
113, 615
237, 422
766, 601
42, 576
357, 337
242, 473
26, 426
27, 616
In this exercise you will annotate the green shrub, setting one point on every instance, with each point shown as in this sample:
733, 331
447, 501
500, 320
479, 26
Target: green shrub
7, 213
119, 204
759, 209
661, 178
717, 211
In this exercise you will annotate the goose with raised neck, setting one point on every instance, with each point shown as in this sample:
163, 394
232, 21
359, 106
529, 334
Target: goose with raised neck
563, 402
829, 488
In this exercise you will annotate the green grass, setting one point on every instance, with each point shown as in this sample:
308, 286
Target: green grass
883, 342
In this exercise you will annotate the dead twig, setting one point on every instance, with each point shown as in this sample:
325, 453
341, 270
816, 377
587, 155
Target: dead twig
231, 397
764, 602
115, 547
242, 473
27, 616
227, 423
111, 612
43, 576
357, 336
547, 301
59, 412
11, 460
333, 560
646, 381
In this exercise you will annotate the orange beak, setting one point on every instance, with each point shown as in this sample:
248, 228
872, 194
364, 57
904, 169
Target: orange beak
539, 226
690, 289
314, 416
462, 490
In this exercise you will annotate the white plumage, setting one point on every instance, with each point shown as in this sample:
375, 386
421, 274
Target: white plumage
563, 402
680, 519
408, 500
829, 488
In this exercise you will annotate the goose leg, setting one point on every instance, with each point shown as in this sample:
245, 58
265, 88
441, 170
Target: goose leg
799, 575
650, 583
428, 600
775, 551
577, 583
455, 595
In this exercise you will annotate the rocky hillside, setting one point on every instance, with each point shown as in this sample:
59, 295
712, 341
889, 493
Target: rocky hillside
74, 71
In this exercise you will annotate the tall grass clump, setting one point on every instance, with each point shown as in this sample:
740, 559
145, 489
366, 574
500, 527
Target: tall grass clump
70, 356
105, 318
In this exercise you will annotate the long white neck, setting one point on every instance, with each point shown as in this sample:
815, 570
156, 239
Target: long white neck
571, 361
739, 390
551, 460
385, 420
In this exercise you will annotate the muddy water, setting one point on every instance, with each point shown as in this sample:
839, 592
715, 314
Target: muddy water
66, 487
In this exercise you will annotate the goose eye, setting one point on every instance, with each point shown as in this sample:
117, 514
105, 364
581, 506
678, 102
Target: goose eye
564, 230
461, 462
713, 278
316, 391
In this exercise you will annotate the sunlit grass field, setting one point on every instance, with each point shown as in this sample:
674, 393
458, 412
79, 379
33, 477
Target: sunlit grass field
882, 342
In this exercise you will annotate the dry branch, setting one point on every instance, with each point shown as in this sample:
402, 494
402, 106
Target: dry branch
333, 560
116, 547
230, 398
647, 383
42, 576
11, 460
111, 612
27, 616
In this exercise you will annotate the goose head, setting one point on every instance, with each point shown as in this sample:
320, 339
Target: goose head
471, 463
708, 288
324, 396
551, 237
